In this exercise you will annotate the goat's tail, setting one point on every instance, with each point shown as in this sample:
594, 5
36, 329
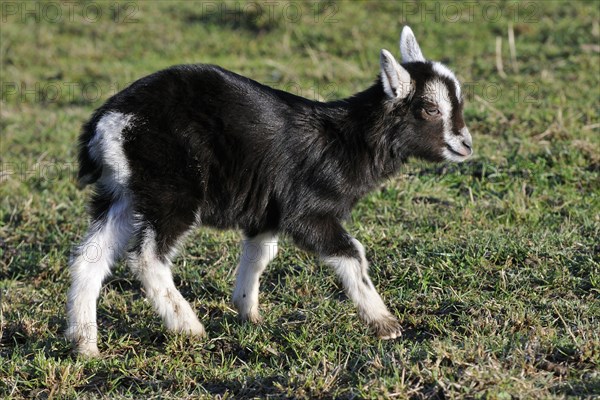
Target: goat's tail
90, 169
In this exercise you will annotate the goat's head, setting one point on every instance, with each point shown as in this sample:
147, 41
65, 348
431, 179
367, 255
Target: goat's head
429, 97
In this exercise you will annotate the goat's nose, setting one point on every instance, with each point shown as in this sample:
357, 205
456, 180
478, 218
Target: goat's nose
467, 140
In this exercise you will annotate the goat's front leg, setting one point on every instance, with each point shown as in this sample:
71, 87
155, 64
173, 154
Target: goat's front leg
257, 252
346, 256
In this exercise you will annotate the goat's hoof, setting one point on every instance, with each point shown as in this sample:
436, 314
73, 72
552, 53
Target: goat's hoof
82, 346
247, 311
387, 328
87, 351
196, 330
197, 333
190, 327
252, 317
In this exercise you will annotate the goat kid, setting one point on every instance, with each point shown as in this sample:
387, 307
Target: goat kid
198, 145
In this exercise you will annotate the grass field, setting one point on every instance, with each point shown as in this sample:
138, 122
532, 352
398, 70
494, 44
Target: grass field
493, 266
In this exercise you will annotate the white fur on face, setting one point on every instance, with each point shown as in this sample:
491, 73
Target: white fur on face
436, 92
106, 147
157, 279
257, 252
444, 71
103, 246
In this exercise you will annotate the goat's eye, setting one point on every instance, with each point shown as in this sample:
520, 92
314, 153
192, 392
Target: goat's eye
432, 111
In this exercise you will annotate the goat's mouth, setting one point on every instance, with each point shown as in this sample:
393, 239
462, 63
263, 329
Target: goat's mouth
458, 154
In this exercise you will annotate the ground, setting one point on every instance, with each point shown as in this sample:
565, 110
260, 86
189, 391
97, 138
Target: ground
492, 265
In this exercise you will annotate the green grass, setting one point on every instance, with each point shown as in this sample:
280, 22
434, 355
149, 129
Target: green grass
492, 265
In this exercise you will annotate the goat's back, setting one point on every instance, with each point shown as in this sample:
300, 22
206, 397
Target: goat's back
209, 140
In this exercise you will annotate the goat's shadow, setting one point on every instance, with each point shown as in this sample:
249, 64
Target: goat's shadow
153, 338
215, 318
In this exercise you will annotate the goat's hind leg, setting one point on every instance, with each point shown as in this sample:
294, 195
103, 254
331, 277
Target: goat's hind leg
105, 243
153, 269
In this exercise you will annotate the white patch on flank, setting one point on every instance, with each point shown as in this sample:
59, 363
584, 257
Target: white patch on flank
354, 276
444, 71
106, 146
91, 264
157, 279
257, 252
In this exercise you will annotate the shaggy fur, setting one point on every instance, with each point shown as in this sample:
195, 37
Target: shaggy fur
199, 145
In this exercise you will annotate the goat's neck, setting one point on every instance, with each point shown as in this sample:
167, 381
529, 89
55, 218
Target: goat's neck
366, 131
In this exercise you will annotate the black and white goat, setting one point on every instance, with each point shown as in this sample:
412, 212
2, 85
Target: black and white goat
198, 145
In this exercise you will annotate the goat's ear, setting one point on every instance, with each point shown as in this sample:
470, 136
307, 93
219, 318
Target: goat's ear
409, 48
396, 80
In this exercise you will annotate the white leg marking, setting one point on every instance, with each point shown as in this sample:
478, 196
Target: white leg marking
354, 276
105, 243
257, 252
157, 279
